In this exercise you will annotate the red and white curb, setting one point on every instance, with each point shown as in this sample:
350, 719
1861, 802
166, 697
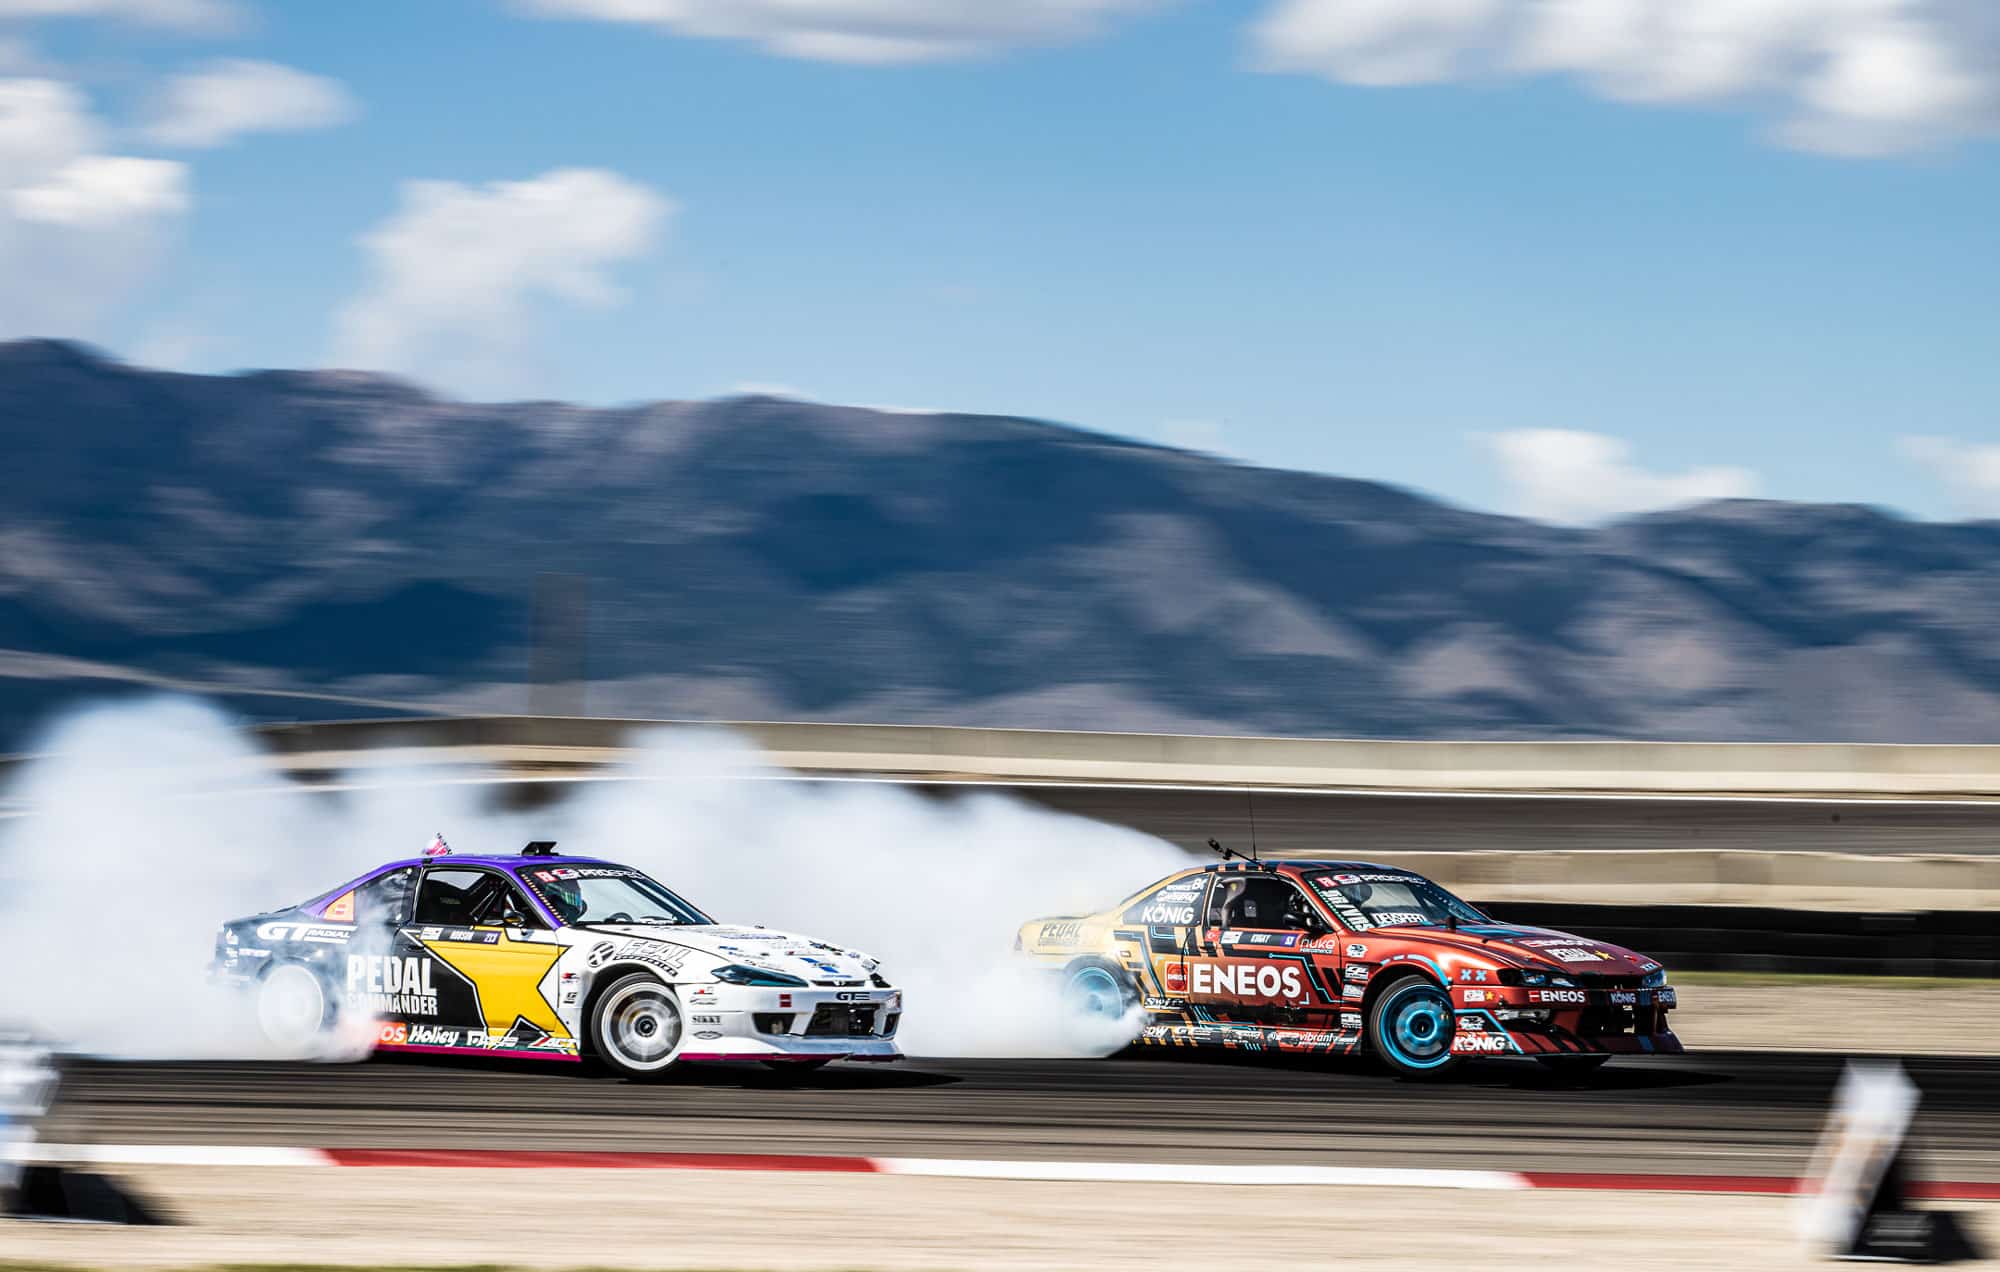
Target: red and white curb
940, 1168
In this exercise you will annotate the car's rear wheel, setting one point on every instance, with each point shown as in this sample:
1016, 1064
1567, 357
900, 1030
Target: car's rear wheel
636, 1026
1097, 998
295, 1013
1411, 1026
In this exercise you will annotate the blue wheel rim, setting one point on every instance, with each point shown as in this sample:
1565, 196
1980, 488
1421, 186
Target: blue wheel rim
1419, 1027
1093, 992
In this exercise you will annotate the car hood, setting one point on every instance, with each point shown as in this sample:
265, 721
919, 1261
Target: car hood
1535, 947
800, 956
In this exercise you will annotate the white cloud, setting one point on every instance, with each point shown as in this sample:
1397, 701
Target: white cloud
186, 15
864, 31
1560, 474
226, 99
1969, 471
456, 273
78, 228
1854, 77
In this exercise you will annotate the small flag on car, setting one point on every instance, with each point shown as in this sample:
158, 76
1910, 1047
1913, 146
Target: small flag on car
438, 848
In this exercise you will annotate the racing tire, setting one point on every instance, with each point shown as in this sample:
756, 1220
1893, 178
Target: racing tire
1573, 1068
1096, 999
295, 1009
1411, 1028
636, 1028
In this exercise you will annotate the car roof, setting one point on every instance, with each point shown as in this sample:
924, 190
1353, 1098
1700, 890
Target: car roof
507, 861
1281, 864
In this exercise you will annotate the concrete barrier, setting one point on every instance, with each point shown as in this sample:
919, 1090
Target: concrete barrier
1026, 755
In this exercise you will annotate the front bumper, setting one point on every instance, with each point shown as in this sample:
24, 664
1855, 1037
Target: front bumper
734, 1022
1553, 1022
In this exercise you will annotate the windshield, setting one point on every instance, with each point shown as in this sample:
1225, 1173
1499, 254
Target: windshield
609, 894
1365, 901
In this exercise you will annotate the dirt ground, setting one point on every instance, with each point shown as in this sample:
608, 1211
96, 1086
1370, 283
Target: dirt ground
1841, 1017
722, 1220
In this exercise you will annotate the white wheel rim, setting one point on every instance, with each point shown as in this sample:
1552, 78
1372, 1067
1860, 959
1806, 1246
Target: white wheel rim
641, 1027
291, 1007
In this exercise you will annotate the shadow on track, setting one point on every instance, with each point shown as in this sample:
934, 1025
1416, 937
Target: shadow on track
748, 1076
1515, 1074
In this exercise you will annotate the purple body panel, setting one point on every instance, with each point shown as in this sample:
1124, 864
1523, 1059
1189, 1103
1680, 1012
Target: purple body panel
510, 865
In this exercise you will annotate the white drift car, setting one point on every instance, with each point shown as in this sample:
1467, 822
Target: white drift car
560, 958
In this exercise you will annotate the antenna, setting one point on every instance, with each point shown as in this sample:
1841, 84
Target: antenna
1252, 797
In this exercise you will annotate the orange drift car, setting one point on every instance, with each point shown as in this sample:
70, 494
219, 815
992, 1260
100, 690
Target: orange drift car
1335, 957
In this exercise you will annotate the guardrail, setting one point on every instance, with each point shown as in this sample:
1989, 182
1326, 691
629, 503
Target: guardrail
1032, 755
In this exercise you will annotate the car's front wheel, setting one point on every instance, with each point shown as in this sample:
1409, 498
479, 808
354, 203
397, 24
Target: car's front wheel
1412, 1026
295, 1013
636, 1026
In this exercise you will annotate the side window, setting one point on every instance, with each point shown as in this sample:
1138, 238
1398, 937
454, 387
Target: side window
385, 899
500, 903
1172, 904
1271, 902
447, 895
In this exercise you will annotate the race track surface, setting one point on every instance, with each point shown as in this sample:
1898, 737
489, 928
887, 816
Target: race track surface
1727, 1113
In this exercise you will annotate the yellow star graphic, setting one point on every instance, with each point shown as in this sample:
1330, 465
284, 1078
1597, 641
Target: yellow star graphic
507, 977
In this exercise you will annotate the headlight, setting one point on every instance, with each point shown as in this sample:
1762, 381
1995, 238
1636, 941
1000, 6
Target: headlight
1531, 976
1653, 980
738, 974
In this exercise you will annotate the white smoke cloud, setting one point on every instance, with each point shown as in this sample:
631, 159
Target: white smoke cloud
1851, 77
149, 825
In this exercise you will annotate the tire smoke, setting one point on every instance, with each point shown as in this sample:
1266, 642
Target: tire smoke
144, 826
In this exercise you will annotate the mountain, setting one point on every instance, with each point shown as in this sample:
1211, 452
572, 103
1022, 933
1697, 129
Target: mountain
320, 544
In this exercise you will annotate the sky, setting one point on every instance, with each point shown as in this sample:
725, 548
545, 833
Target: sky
1573, 259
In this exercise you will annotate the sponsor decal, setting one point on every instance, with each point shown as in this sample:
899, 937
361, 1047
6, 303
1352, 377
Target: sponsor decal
852, 996
1649, 966
1246, 980
393, 1033
1478, 974
340, 909
1151, 1003
1060, 932
314, 933
1666, 998
398, 1033
1350, 1020
1624, 998
1573, 954
1161, 915
707, 1035
1357, 951
1355, 972
1473, 1023
1475, 995
1176, 977
704, 996
1401, 918
706, 1020
584, 872
600, 954
1567, 997
388, 986
1480, 1043
1353, 991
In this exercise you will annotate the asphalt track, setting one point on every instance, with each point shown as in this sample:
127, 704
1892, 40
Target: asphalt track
1725, 1113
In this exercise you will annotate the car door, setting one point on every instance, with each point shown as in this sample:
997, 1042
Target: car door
485, 962
1252, 962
